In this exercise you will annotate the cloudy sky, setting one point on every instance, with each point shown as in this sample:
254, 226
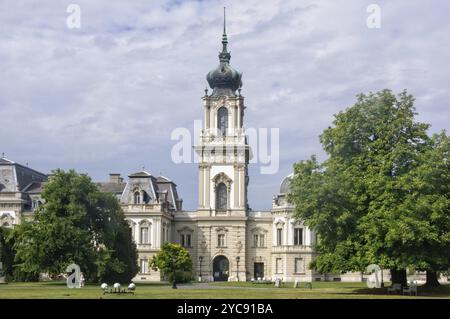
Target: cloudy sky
105, 97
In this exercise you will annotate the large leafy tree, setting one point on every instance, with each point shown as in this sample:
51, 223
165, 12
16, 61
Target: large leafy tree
172, 259
382, 194
77, 224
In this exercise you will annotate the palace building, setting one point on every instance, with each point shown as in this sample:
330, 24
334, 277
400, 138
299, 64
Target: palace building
225, 238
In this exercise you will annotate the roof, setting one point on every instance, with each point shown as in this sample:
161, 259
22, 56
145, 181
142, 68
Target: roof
34, 188
163, 179
285, 184
5, 161
112, 187
140, 174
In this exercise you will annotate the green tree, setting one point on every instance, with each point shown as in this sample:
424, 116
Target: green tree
363, 201
173, 259
77, 224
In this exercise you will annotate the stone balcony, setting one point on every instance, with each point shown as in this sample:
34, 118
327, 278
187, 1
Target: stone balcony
291, 249
143, 208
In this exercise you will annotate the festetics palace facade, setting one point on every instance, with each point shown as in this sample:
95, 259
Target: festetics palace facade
226, 239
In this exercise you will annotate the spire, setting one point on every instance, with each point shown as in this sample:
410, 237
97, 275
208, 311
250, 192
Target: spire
224, 56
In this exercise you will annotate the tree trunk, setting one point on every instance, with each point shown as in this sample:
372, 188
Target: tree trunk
432, 279
398, 276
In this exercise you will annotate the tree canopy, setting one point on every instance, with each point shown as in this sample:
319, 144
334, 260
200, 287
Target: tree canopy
77, 223
172, 258
382, 195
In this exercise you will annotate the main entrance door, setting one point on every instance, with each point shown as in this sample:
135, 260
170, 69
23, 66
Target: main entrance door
259, 270
221, 268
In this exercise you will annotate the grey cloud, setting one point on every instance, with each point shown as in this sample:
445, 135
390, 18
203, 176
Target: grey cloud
106, 97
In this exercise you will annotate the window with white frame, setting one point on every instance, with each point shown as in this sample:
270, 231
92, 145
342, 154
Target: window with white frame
221, 196
279, 265
221, 240
298, 236
299, 266
222, 121
145, 233
186, 240
35, 204
144, 266
132, 226
279, 236
258, 240
137, 198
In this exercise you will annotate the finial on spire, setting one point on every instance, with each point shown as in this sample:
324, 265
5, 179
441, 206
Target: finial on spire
224, 56
224, 24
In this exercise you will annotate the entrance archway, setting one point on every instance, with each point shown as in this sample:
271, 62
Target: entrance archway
221, 268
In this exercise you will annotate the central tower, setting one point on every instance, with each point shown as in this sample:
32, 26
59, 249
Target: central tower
223, 150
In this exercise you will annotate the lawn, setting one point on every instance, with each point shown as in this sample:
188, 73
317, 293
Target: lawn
228, 290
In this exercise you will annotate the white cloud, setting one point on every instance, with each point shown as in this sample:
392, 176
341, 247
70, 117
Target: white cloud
106, 97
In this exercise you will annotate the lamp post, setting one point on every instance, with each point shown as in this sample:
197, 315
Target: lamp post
200, 259
237, 267
174, 283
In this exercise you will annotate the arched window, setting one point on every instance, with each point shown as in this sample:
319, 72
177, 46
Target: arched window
137, 198
222, 120
221, 196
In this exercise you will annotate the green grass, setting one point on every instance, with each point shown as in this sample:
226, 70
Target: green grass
227, 290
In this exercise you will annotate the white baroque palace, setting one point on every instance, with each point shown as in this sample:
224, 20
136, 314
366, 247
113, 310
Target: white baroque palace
225, 238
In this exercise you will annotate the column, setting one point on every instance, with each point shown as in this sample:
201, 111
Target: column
208, 186
241, 187
201, 186
236, 186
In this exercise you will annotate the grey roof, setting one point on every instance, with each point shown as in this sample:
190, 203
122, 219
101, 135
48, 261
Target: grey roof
4, 161
140, 174
17, 177
163, 179
116, 188
285, 184
34, 188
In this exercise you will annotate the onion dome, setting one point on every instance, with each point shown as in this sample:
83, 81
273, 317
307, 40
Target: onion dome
224, 79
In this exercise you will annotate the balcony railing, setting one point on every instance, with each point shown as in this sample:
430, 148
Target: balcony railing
291, 248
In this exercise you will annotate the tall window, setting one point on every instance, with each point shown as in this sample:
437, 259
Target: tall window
145, 239
261, 241
258, 240
221, 240
144, 266
221, 196
279, 266
186, 240
137, 198
133, 230
299, 266
255, 240
35, 204
222, 120
279, 236
298, 236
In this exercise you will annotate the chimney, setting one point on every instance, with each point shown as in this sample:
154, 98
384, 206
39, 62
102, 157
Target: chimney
115, 178
179, 202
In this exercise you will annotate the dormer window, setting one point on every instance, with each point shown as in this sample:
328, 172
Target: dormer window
137, 198
35, 204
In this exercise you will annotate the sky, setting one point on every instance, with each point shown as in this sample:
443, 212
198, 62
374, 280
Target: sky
106, 97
